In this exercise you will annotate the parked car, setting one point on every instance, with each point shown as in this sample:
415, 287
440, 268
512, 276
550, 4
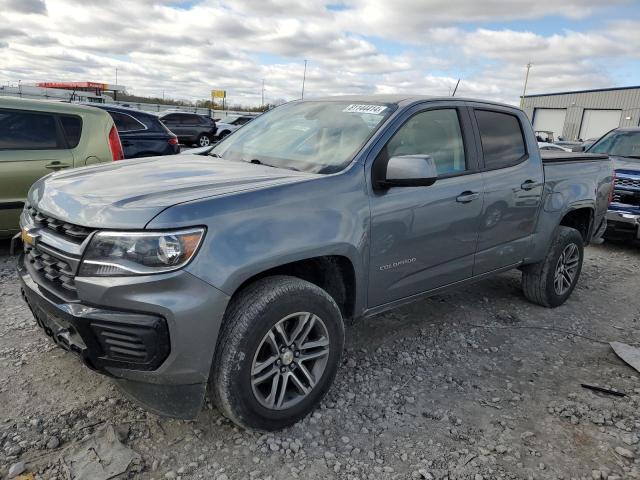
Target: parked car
230, 126
552, 147
190, 128
584, 146
142, 134
623, 146
237, 270
39, 137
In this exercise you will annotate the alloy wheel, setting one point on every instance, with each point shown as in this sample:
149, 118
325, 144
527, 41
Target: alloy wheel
290, 360
566, 269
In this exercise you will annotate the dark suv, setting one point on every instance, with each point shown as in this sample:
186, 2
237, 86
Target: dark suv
142, 134
190, 128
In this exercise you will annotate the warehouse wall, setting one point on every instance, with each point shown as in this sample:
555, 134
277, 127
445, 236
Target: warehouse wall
626, 100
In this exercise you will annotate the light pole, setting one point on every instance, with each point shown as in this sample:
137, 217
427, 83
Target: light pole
262, 104
304, 77
526, 80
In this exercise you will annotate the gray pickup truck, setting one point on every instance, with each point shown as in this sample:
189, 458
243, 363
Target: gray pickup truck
235, 271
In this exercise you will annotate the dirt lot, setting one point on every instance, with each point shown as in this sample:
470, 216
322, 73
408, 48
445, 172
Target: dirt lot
477, 384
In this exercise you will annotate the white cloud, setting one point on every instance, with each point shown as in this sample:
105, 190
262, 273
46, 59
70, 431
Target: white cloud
185, 50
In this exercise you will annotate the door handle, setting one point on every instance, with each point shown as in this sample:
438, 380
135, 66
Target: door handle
530, 185
57, 165
468, 196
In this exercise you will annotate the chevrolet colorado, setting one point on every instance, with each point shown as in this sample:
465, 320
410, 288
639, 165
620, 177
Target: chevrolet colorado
235, 271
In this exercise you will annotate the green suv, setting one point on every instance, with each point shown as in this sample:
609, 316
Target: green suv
39, 137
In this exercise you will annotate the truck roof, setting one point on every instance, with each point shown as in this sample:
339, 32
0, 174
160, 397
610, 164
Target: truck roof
403, 100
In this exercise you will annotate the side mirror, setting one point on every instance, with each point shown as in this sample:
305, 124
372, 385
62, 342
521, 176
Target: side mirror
409, 171
578, 148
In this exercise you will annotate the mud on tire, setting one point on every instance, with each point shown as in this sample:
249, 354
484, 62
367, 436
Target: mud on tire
550, 283
276, 327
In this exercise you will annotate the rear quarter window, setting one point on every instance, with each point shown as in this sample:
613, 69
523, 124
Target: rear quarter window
72, 128
501, 137
20, 130
126, 123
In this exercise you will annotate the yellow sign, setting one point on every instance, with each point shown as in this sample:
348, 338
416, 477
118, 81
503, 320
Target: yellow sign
218, 94
27, 237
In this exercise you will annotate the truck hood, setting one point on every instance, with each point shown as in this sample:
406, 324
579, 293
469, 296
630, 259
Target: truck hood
129, 193
626, 165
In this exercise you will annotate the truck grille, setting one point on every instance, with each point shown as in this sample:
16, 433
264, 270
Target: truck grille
628, 182
52, 270
50, 267
72, 232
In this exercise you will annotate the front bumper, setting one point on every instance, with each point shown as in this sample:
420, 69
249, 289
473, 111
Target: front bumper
624, 221
154, 335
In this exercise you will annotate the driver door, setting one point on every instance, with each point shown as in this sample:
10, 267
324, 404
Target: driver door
423, 238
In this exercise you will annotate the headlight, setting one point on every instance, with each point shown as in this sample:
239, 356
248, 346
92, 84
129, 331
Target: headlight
139, 253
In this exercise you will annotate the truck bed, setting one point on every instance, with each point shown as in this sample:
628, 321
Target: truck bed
549, 156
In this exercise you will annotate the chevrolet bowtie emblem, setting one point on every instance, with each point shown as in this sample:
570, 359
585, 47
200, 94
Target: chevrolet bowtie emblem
27, 237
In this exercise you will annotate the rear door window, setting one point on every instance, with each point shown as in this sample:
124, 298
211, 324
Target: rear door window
191, 120
72, 127
502, 140
126, 123
21, 130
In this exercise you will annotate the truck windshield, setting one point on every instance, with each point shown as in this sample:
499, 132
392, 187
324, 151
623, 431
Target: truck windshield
619, 143
318, 137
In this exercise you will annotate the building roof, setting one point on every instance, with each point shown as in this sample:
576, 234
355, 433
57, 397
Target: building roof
612, 89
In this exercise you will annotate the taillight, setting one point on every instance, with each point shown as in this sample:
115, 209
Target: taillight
173, 141
613, 186
115, 145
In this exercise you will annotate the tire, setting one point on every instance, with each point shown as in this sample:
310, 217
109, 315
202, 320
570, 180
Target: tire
203, 140
245, 346
539, 280
223, 134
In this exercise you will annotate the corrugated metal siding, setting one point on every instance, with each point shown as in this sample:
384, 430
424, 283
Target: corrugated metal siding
628, 101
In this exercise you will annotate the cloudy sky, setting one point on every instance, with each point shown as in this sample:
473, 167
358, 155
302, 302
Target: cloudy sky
186, 48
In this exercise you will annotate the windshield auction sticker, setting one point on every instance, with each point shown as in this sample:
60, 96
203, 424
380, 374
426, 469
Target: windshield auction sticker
372, 109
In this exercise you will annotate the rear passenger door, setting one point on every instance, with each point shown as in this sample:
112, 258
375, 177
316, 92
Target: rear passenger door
172, 122
513, 183
32, 144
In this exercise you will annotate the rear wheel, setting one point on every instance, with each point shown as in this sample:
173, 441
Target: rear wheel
278, 353
550, 283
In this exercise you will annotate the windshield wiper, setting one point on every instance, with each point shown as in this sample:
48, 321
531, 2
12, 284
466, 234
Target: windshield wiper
255, 161
215, 155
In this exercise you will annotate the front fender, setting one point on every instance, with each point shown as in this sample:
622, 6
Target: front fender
251, 232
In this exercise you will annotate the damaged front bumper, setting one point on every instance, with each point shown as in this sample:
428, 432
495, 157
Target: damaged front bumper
154, 335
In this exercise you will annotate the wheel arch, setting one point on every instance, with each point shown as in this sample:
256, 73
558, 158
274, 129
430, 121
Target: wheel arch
335, 274
580, 218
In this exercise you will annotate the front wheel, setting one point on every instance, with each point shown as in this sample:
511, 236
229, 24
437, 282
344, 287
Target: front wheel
278, 353
204, 140
550, 283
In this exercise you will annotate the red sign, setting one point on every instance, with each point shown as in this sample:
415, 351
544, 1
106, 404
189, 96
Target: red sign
74, 85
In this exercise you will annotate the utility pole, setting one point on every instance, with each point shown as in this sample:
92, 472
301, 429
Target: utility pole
116, 75
304, 77
526, 80
262, 104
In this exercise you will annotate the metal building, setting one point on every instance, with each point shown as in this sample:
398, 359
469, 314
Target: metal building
584, 114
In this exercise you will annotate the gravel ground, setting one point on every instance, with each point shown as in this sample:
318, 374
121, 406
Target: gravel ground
476, 384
